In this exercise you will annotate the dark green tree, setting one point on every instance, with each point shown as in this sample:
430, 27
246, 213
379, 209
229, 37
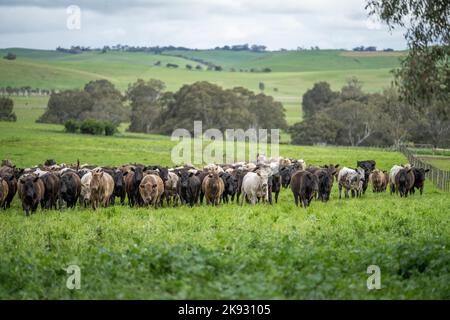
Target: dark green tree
6, 109
317, 98
146, 107
425, 73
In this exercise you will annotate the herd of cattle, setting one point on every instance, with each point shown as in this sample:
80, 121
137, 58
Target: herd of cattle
52, 185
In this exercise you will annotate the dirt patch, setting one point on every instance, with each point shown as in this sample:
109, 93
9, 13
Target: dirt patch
372, 54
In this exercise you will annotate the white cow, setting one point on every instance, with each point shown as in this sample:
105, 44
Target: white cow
394, 171
85, 194
350, 179
254, 186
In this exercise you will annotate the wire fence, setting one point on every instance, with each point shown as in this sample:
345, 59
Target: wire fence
440, 178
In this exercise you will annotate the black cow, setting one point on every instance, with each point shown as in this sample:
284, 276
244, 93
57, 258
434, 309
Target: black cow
286, 174
133, 179
419, 179
231, 184
368, 166
274, 184
49, 162
239, 174
119, 185
188, 187
162, 172
325, 184
69, 189
201, 176
303, 185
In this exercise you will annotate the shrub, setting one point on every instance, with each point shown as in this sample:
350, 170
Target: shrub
6, 110
72, 126
10, 56
91, 126
110, 128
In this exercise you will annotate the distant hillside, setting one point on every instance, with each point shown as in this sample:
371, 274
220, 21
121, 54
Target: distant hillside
293, 72
294, 61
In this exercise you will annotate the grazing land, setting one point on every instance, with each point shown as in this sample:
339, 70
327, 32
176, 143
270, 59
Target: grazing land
272, 252
293, 72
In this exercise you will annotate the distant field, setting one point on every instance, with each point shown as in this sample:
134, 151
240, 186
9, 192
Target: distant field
295, 61
229, 252
293, 72
437, 161
363, 54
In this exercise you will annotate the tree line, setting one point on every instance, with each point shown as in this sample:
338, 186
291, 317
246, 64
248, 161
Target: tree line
356, 118
150, 108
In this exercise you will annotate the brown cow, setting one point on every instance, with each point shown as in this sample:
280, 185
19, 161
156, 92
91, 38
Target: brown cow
386, 179
378, 180
151, 189
3, 191
404, 181
102, 187
51, 190
31, 192
303, 185
212, 187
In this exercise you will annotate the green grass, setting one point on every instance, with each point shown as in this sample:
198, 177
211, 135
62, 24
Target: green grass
289, 61
293, 72
233, 252
440, 162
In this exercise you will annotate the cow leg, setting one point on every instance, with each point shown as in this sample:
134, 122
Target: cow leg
340, 191
276, 196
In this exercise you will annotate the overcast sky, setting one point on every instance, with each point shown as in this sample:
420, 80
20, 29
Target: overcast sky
194, 23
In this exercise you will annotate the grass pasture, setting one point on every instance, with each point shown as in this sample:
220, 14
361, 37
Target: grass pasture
233, 252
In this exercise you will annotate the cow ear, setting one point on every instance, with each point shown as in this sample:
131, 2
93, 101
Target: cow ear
337, 166
125, 173
191, 174
101, 174
132, 169
197, 173
35, 179
427, 170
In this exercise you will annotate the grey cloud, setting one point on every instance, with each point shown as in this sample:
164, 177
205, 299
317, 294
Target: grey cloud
193, 23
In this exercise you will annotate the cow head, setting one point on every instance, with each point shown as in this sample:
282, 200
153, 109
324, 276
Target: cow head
419, 175
138, 175
149, 191
286, 173
29, 188
184, 178
119, 181
96, 181
65, 182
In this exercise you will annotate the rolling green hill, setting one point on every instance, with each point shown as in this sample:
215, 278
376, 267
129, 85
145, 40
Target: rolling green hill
293, 61
293, 71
